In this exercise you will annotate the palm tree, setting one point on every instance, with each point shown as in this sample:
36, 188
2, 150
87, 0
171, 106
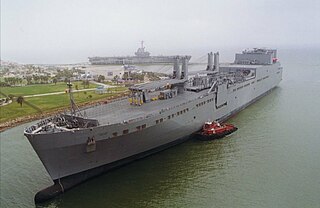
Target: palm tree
29, 79
116, 78
55, 81
86, 83
101, 78
77, 88
20, 100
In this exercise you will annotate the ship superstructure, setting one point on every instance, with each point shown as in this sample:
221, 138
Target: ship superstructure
78, 145
141, 57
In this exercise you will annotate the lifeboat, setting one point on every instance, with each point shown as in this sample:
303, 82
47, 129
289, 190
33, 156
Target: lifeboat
215, 130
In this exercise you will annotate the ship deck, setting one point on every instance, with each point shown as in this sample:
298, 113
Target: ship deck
121, 111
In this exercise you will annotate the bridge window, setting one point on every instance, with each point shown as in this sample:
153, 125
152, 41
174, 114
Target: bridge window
144, 126
115, 134
126, 131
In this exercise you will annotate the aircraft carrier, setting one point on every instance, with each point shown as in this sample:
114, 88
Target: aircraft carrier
83, 143
141, 57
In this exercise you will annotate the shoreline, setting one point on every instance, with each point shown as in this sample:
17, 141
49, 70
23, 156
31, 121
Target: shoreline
29, 118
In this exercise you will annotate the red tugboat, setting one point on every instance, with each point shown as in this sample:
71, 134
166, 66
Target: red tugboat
215, 130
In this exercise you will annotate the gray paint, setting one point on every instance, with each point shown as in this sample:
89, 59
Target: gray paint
64, 153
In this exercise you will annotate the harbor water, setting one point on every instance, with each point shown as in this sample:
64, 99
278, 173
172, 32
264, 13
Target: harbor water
273, 160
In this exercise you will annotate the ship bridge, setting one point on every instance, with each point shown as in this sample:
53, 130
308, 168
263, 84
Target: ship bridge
141, 51
257, 56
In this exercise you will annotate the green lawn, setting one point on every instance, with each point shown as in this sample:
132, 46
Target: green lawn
50, 103
40, 88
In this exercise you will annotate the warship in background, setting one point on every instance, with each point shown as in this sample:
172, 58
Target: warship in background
141, 57
83, 143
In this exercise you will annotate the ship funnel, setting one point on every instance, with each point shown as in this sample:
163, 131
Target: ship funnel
210, 61
176, 68
216, 61
184, 70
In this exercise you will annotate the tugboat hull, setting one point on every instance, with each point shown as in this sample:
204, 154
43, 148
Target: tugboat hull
206, 137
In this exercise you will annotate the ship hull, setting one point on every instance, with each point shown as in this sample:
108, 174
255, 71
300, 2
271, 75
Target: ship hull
68, 163
63, 184
132, 60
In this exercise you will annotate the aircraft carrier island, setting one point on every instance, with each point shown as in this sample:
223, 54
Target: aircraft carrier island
141, 57
78, 145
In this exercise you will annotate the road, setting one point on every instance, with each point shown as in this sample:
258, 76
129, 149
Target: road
57, 93
102, 84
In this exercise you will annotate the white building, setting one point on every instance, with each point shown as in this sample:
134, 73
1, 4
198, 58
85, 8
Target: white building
108, 71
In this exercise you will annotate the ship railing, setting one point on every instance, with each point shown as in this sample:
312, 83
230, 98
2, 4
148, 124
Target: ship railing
102, 106
39, 125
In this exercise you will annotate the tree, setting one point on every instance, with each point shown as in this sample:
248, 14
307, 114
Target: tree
19, 80
136, 76
115, 78
85, 83
101, 78
29, 79
44, 79
55, 81
24, 82
77, 88
20, 100
35, 78
14, 80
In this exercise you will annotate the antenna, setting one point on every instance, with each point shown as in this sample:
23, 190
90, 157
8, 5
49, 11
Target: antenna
73, 106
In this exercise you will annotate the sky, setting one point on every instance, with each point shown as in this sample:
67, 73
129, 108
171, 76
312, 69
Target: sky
69, 31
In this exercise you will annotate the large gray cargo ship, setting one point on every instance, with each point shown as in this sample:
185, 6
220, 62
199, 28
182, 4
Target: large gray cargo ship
141, 57
83, 143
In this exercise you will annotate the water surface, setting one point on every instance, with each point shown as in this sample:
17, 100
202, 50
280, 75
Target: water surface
271, 161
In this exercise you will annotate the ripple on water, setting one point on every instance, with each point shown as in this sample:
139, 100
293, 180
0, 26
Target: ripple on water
271, 161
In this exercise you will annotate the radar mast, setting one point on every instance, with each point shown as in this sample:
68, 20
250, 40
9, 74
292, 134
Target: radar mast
73, 106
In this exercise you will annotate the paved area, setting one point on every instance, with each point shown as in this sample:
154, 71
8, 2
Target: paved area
102, 84
57, 93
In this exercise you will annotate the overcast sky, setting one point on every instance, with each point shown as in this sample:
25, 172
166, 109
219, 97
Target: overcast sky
68, 31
